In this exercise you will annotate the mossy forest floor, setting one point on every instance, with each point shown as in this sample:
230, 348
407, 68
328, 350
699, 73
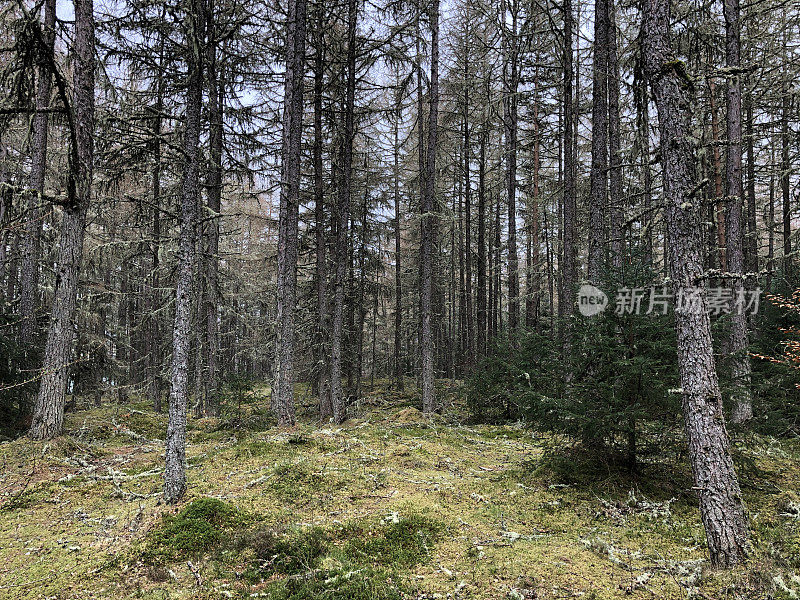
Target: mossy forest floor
389, 505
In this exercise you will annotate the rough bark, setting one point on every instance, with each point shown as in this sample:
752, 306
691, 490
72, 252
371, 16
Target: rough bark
428, 221
338, 399
321, 273
614, 147
29, 276
737, 342
398, 271
598, 193
566, 300
175, 469
721, 506
510, 123
48, 414
215, 104
283, 391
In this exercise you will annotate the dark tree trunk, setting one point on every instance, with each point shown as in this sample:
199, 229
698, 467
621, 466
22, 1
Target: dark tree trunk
29, 280
614, 146
737, 342
598, 194
338, 399
283, 392
481, 300
321, 274
175, 470
48, 414
428, 222
721, 507
510, 118
216, 104
398, 279
566, 299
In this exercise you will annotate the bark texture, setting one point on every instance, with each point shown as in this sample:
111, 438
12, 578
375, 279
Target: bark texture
721, 506
283, 390
48, 414
175, 468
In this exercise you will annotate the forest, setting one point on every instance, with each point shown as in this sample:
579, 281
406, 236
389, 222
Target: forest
393, 299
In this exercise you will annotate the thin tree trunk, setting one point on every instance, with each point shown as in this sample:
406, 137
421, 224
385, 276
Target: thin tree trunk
428, 222
481, 300
283, 392
566, 300
598, 194
721, 507
718, 191
510, 101
614, 146
29, 280
737, 342
175, 469
48, 414
216, 105
321, 275
398, 272
338, 400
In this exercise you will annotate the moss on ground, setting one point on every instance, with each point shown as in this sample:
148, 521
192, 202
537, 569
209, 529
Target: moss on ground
482, 511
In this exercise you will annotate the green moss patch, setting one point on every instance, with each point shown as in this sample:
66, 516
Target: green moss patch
196, 530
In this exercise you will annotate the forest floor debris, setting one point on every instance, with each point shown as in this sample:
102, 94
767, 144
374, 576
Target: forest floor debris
389, 505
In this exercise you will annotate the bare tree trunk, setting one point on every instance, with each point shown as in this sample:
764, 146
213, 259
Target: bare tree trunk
216, 106
175, 469
718, 191
614, 145
481, 300
598, 195
737, 342
345, 190
29, 280
428, 222
283, 392
751, 246
398, 279
510, 101
321, 274
470, 320
566, 301
48, 414
533, 280
721, 507
785, 172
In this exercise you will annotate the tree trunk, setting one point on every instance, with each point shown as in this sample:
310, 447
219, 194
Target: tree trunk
48, 414
598, 194
283, 392
216, 105
481, 300
721, 507
614, 147
321, 274
29, 280
338, 399
175, 470
510, 101
737, 342
398, 280
566, 299
428, 222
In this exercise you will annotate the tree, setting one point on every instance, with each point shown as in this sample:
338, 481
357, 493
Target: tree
175, 469
721, 506
29, 282
283, 391
48, 415
737, 343
428, 221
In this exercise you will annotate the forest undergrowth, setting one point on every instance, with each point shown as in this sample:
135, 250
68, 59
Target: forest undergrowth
392, 504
